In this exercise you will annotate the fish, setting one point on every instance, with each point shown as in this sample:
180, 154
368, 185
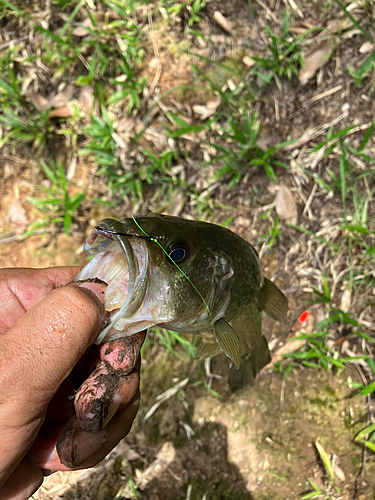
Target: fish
188, 276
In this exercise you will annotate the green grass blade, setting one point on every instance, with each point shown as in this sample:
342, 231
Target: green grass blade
354, 21
366, 137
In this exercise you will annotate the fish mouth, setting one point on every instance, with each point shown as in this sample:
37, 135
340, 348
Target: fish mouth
123, 263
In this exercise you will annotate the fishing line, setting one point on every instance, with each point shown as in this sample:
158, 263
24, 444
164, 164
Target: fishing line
101, 230
154, 240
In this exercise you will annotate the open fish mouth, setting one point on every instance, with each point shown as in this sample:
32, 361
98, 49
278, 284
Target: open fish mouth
123, 263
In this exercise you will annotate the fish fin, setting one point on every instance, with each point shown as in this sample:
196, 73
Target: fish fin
254, 348
250, 366
272, 301
208, 350
187, 336
228, 341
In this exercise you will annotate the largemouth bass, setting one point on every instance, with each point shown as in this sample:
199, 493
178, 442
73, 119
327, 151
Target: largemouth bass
187, 276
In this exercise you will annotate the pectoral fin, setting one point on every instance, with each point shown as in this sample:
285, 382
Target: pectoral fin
228, 341
208, 350
272, 301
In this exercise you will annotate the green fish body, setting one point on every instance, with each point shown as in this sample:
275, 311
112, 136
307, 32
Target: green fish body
187, 276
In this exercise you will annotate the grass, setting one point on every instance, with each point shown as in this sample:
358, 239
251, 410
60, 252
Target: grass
145, 147
284, 56
355, 249
56, 205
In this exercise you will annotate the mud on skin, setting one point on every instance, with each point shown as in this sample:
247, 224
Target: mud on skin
94, 399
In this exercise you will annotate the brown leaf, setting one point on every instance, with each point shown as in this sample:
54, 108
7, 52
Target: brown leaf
63, 97
17, 214
366, 47
38, 100
265, 142
86, 99
222, 21
316, 60
81, 30
101, 19
286, 207
62, 112
248, 61
205, 111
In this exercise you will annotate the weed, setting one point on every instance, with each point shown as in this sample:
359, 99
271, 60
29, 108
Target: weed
360, 74
130, 489
191, 6
58, 205
243, 150
354, 21
273, 232
18, 122
171, 341
367, 435
284, 54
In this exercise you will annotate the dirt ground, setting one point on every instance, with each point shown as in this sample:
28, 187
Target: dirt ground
259, 443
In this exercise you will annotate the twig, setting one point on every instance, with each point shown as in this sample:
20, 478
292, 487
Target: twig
6, 45
309, 201
268, 11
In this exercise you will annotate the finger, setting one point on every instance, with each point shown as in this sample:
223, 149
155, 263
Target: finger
109, 387
102, 395
24, 481
36, 355
51, 337
80, 449
22, 288
122, 354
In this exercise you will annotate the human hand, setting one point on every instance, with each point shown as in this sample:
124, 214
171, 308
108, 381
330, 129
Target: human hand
45, 334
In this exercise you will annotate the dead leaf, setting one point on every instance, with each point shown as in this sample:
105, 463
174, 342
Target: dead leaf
366, 47
286, 207
62, 98
17, 215
101, 19
316, 60
40, 102
86, 99
339, 473
62, 112
205, 111
248, 61
346, 300
222, 21
265, 142
83, 28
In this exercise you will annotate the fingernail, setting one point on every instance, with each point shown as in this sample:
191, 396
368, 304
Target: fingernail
97, 288
112, 409
85, 445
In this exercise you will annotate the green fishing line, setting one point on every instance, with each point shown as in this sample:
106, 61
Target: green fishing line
154, 240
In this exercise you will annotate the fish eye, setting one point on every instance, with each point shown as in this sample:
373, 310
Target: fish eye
178, 252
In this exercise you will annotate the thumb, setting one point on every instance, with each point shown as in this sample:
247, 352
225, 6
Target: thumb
40, 351
36, 355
